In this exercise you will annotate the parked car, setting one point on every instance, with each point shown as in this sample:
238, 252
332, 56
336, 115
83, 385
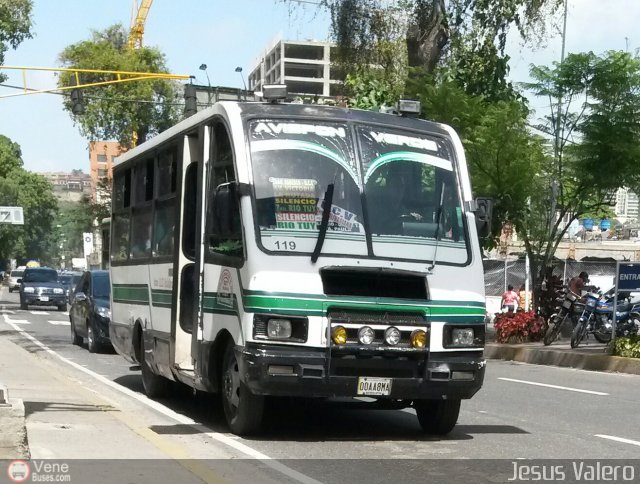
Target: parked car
40, 286
70, 282
14, 278
90, 311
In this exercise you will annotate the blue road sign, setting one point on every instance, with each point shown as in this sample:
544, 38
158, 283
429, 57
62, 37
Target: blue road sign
629, 276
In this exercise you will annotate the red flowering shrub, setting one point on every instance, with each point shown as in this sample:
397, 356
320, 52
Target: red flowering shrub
518, 327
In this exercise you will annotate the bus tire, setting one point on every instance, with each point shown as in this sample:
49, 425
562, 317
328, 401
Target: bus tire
155, 386
437, 417
242, 409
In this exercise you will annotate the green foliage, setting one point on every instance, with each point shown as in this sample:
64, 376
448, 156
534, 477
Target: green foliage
628, 347
15, 25
116, 111
34, 194
370, 91
595, 142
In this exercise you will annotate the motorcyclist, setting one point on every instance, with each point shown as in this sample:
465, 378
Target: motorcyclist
577, 284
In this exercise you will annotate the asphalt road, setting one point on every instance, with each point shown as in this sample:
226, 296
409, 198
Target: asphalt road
522, 412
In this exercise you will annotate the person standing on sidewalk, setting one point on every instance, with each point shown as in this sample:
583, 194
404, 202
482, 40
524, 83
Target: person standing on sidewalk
510, 300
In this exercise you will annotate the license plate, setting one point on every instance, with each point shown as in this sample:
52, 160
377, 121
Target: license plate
374, 386
44, 298
567, 304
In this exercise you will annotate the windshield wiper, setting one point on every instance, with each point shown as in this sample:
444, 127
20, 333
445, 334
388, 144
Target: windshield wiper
324, 223
437, 234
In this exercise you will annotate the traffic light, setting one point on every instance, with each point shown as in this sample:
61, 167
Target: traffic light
77, 102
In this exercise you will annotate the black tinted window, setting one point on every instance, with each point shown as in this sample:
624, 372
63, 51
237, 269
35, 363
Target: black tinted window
41, 275
101, 286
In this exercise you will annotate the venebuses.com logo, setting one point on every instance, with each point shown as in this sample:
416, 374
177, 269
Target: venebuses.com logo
18, 471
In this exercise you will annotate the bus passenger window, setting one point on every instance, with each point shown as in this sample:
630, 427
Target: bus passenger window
120, 237
167, 173
163, 229
144, 181
141, 235
122, 190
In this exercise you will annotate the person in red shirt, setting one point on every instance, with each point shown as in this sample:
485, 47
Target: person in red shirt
510, 300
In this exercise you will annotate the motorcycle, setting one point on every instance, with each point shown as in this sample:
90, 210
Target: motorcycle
597, 318
557, 320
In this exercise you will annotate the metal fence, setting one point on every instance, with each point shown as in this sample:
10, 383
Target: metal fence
498, 274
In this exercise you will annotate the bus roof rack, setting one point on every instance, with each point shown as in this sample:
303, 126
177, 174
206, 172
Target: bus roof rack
274, 92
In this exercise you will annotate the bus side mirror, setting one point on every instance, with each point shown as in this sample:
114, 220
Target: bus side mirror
484, 214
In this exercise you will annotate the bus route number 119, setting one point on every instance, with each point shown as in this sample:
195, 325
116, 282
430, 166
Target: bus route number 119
285, 245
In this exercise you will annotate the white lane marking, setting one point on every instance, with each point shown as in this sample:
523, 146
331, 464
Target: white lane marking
39, 313
8, 320
222, 438
7, 311
60, 323
65, 313
618, 439
579, 390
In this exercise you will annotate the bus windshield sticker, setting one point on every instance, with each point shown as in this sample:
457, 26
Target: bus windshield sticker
295, 203
401, 140
340, 220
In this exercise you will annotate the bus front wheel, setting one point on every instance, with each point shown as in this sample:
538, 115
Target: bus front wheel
437, 417
242, 409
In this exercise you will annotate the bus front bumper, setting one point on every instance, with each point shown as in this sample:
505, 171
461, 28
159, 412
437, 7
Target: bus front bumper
304, 372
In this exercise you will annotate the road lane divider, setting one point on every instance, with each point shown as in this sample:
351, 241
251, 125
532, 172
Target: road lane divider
60, 323
228, 440
39, 313
557, 387
618, 439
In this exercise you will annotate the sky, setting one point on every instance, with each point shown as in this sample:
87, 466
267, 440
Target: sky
225, 34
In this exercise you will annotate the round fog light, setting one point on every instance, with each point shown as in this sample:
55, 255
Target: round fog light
339, 335
392, 336
418, 338
366, 335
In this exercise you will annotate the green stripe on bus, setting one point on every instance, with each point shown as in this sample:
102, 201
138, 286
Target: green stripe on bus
134, 294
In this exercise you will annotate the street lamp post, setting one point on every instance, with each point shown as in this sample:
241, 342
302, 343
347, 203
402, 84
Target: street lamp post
239, 70
203, 67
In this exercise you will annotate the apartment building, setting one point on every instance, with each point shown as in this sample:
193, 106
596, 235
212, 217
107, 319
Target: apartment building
627, 204
101, 156
304, 66
69, 187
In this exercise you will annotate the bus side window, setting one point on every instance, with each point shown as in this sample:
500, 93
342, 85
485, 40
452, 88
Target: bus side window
224, 225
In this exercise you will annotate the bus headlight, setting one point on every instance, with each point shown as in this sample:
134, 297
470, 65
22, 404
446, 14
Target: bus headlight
392, 336
366, 335
462, 336
418, 339
279, 329
339, 335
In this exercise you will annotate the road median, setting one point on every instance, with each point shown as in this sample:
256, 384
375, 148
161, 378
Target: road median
592, 358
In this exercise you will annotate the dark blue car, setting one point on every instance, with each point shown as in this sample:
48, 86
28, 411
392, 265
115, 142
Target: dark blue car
90, 311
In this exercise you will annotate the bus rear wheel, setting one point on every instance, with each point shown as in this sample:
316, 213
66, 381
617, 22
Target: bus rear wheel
242, 409
437, 417
155, 386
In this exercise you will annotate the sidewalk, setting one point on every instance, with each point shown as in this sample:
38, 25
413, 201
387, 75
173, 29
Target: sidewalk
592, 356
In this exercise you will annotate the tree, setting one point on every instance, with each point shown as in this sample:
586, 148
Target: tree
34, 194
15, 25
594, 125
469, 35
116, 111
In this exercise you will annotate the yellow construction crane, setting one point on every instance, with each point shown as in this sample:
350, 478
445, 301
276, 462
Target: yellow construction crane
138, 18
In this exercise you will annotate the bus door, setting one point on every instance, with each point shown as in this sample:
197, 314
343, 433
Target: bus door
223, 248
188, 260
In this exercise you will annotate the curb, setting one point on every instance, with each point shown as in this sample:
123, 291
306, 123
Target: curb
13, 438
540, 355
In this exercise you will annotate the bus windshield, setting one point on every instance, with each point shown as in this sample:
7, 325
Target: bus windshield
404, 183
